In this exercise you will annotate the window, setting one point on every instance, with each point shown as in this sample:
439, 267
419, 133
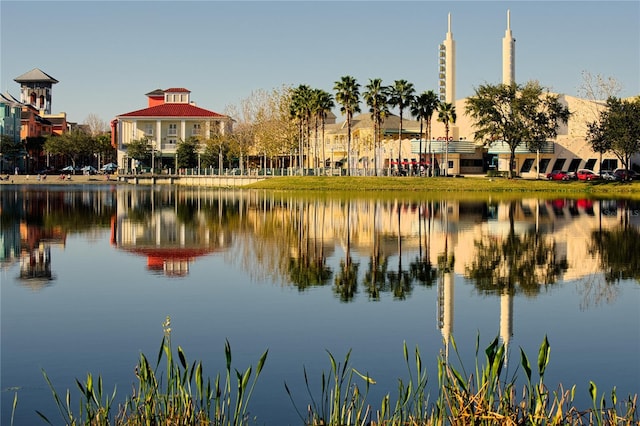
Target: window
196, 130
575, 163
559, 164
173, 130
544, 163
609, 164
148, 129
590, 164
172, 141
526, 166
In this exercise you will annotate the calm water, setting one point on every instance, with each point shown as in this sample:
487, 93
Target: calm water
90, 273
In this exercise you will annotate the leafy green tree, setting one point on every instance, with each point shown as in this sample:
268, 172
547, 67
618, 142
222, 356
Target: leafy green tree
9, 150
187, 153
103, 148
139, 149
348, 96
401, 95
446, 115
73, 145
618, 129
516, 114
376, 98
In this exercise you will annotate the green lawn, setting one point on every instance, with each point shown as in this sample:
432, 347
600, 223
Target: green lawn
449, 185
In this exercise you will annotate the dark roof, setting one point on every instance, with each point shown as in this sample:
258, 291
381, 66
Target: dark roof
172, 110
157, 92
35, 75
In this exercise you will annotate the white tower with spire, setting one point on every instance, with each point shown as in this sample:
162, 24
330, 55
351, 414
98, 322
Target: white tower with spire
508, 54
447, 74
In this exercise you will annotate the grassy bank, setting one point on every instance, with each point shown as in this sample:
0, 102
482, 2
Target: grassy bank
451, 185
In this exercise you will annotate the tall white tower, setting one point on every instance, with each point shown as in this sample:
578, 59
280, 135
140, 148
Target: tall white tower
447, 74
508, 54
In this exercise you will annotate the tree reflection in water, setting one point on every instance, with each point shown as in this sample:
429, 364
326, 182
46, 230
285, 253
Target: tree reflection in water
515, 261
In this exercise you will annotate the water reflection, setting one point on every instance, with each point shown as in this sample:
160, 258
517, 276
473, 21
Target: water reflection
463, 262
389, 245
34, 220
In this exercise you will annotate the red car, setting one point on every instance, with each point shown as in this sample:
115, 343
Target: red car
585, 174
558, 175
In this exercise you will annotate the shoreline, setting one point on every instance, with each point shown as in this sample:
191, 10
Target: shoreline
55, 180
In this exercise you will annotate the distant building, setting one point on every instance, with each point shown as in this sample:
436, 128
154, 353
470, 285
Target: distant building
170, 117
35, 89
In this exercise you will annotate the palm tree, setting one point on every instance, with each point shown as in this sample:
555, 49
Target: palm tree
419, 109
401, 95
431, 105
446, 115
348, 96
300, 111
376, 98
322, 104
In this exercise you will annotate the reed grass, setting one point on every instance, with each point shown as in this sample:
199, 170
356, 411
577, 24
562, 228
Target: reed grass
180, 395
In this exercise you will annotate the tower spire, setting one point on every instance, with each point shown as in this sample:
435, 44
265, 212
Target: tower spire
508, 54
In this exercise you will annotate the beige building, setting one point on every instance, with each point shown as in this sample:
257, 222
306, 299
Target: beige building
569, 151
170, 117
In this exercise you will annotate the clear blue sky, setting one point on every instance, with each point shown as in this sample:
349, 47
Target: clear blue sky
107, 55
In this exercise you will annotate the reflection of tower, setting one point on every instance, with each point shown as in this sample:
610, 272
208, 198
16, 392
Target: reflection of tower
445, 308
508, 54
506, 320
447, 74
35, 89
35, 266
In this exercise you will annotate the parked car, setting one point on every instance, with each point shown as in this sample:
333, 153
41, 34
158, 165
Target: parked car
558, 175
608, 175
586, 174
624, 174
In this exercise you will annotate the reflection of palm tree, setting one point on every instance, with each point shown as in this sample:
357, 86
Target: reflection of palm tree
421, 269
400, 280
375, 278
347, 279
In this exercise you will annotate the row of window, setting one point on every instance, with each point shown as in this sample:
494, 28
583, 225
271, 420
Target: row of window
172, 130
574, 165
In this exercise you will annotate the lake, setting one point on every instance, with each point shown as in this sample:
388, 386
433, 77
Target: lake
89, 274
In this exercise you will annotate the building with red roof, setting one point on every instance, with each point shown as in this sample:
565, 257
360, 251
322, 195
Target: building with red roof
170, 117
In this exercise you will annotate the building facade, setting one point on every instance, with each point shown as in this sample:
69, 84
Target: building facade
170, 117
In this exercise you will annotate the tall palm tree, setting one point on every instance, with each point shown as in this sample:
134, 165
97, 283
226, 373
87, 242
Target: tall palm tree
348, 96
300, 110
419, 110
376, 99
323, 103
446, 115
401, 95
431, 105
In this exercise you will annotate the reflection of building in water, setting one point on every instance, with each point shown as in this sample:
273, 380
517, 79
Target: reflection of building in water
35, 253
446, 293
169, 232
506, 320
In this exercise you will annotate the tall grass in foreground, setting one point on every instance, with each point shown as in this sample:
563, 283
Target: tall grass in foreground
179, 395
483, 397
